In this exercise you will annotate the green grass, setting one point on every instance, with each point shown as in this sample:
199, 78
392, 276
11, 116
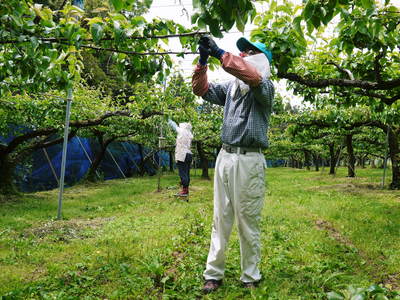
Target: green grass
123, 240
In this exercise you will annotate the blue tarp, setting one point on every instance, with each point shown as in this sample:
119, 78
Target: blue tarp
40, 171
275, 163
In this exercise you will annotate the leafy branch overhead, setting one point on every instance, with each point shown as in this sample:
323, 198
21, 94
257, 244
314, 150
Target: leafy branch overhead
220, 15
41, 48
315, 42
41, 45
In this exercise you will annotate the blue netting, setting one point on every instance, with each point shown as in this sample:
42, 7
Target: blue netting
39, 172
275, 163
42, 173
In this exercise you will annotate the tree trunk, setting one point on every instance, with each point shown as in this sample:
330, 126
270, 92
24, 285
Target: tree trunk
98, 158
351, 158
362, 161
373, 165
91, 174
203, 161
295, 163
332, 163
394, 157
316, 162
307, 159
290, 162
334, 158
7, 186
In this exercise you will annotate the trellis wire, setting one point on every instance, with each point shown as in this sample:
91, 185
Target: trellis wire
161, 137
87, 155
50, 164
112, 157
129, 155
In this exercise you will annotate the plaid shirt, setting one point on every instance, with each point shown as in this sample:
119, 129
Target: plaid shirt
246, 118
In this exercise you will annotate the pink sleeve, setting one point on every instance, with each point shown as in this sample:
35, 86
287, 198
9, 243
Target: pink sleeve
241, 69
199, 80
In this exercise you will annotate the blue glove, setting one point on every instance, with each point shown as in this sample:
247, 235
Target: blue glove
204, 53
210, 44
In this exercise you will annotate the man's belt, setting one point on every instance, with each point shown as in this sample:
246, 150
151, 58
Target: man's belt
240, 150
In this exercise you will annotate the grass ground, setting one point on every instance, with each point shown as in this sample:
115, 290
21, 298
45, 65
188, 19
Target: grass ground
123, 240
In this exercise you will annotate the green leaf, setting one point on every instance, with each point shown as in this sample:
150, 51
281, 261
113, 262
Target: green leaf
322, 10
119, 35
308, 10
214, 28
328, 17
171, 26
239, 22
184, 40
297, 25
375, 289
17, 20
194, 18
118, 4
367, 3
315, 21
309, 27
201, 23
97, 32
94, 20
137, 21
34, 42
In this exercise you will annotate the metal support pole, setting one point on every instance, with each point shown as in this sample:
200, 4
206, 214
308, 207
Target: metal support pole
161, 142
64, 152
159, 172
123, 175
386, 157
51, 165
161, 145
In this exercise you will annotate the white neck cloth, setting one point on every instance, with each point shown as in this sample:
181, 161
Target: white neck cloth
261, 63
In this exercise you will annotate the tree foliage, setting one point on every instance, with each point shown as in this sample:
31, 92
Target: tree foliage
41, 48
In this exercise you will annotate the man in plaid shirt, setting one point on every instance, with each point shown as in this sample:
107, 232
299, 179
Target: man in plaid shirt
239, 182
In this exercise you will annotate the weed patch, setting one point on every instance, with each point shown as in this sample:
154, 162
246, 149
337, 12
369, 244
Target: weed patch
64, 231
335, 234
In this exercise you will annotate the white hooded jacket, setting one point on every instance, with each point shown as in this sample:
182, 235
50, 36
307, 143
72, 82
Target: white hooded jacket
183, 139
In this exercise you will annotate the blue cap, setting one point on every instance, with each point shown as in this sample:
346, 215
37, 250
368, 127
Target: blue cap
244, 44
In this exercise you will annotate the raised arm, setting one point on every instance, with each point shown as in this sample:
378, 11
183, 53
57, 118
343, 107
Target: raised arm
214, 93
238, 67
199, 80
173, 125
262, 87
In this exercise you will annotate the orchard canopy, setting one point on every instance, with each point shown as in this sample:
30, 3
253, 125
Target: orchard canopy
340, 56
348, 47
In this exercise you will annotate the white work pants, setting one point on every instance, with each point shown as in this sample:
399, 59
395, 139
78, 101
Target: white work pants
239, 188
